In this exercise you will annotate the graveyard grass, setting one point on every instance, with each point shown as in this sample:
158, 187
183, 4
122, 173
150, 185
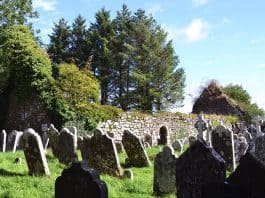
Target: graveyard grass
16, 183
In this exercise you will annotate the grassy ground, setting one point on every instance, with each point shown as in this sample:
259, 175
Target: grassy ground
16, 183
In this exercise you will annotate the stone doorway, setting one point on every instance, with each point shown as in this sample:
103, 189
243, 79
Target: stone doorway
163, 132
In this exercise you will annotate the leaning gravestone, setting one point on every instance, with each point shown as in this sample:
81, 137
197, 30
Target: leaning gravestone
73, 130
192, 140
102, 154
81, 182
85, 147
260, 148
13, 140
3, 141
53, 139
134, 149
249, 176
165, 172
223, 143
34, 153
66, 147
197, 167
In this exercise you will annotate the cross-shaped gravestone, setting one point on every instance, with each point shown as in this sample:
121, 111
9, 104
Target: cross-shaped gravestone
201, 126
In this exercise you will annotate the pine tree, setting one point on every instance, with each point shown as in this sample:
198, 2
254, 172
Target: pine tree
101, 36
59, 46
80, 47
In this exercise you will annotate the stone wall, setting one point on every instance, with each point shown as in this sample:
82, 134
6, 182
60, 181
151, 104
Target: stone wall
177, 126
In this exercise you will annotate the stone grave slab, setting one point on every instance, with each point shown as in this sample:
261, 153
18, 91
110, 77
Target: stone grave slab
3, 141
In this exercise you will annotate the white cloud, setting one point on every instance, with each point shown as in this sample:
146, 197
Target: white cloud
198, 3
196, 30
46, 5
154, 9
260, 66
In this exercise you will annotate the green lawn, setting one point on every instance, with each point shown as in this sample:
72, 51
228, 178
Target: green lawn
16, 183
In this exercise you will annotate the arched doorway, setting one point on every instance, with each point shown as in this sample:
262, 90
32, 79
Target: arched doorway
163, 135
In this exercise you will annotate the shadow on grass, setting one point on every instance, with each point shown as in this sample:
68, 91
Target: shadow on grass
4, 172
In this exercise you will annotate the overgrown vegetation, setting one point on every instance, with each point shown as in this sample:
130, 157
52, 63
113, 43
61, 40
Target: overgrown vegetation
16, 183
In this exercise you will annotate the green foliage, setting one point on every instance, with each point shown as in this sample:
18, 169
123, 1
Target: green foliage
243, 99
16, 12
27, 69
95, 113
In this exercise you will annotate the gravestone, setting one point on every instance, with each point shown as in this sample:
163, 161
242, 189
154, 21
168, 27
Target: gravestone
134, 149
165, 172
13, 140
66, 147
240, 146
209, 133
249, 176
34, 153
53, 139
223, 143
85, 147
201, 127
197, 167
45, 140
148, 139
79, 142
102, 155
163, 136
73, 130
192, 140
177, 146
81, 182
3, 141
260, 148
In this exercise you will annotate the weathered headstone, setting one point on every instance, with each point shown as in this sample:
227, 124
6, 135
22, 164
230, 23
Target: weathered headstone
13, 140
192, 140
163, 136
3, 141
85, 147
240, 146
73, 130
223, 143
66, 147
260, 148
81, 182
102, 154
53, 139
45, 140
148, 139
165, 172
209, 133
134, 149
79, 142
197, 167
201, 126
249, 176
34, 153
177, 146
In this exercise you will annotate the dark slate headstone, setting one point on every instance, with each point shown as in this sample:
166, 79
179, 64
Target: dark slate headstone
163, 136
102, 154
197, 167
13, 140
34, 153
3, 141
165, 172
85, 147
249, 176
223, 143
53, 139
135, 150
67, 147
79, 181
260, 148
192, 140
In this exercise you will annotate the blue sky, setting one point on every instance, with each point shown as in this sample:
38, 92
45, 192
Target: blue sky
214, 39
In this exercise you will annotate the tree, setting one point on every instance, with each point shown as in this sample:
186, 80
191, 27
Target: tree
80, 46
75, 86
59, 46
243, 99
122, 55
101, 36
28, 71
16, 12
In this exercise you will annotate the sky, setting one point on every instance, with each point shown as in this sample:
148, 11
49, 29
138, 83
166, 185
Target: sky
214, 39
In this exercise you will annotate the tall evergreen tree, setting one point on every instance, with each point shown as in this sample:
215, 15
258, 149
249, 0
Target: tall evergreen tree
122, 53
101, 35
59, 47
80, 50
